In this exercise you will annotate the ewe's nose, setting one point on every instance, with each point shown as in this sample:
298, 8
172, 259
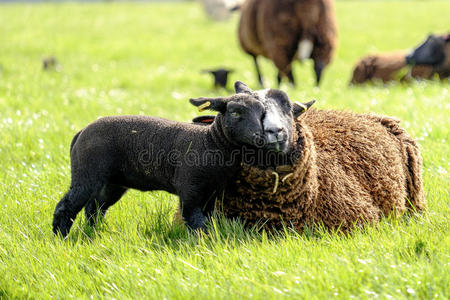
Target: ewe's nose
274, 130
274, 134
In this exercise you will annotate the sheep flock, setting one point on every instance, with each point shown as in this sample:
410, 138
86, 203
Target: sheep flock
307, 166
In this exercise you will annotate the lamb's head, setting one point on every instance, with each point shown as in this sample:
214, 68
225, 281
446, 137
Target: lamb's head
263, 119
239, 117
431, 52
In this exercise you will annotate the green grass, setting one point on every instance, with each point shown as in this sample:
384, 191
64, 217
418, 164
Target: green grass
136, 58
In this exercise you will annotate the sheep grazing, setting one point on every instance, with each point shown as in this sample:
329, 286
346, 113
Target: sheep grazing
348, 169
387, 67
433, 53
220, 77
284, 29
116, 153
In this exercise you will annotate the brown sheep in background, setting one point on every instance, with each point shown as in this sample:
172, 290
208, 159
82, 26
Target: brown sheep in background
282, 29
352, 169
430, 58
387, 67
383, 67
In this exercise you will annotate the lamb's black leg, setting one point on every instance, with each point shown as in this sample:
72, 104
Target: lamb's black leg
108, 196
191, 207
69, 206
258, 71
194, 218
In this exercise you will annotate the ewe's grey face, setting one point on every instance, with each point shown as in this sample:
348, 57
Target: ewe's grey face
431, 52
278, 119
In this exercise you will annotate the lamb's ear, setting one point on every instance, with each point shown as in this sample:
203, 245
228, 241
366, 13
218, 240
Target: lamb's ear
217, 104
241, 87
299, 108
206, 120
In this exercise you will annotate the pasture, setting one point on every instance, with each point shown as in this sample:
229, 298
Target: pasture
145, 58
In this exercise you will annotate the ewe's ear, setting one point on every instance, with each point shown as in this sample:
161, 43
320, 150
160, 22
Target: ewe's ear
299, 108
241, 87
217, 104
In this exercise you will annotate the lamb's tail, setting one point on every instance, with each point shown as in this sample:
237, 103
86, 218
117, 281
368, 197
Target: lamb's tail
413, 165
74, 140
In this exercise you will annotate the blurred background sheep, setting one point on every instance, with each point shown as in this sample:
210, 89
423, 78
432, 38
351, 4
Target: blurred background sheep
286, 30
387, 67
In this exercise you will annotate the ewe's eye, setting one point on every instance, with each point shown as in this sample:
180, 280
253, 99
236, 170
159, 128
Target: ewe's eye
235, 114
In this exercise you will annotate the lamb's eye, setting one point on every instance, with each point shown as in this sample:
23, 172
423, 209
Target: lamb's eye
235, 114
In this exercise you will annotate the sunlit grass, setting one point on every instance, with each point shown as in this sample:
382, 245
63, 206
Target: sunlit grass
138, 58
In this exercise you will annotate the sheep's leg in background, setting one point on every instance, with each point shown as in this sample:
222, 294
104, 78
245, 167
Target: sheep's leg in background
318, 68
70, 205
279, 78
108, 196
258, 71
321, 56
289, 75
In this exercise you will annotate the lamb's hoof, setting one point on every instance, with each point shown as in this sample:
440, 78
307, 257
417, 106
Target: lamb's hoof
196, 221
61, 226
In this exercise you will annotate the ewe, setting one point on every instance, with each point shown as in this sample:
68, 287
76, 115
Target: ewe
340, 169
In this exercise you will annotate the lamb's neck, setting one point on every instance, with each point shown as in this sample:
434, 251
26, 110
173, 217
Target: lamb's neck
217, 136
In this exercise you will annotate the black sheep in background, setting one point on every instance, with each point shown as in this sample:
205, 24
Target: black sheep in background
220, 77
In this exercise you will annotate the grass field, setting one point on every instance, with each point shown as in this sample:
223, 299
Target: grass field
137, 58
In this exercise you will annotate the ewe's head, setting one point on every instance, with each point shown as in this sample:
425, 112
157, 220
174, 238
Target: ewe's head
431, 52
263, 119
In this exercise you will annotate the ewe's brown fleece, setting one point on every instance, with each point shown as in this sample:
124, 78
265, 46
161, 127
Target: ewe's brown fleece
353, 169
274, 29
386, 67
